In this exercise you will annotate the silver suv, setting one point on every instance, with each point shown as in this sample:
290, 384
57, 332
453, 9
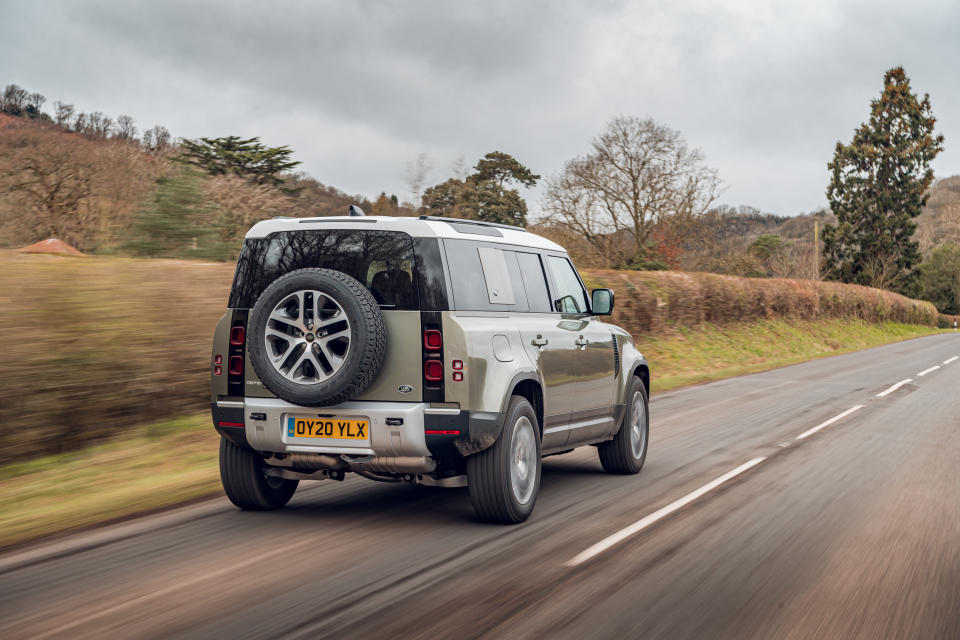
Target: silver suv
444, 352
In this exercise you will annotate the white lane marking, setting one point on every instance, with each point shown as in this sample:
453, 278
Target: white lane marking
659, 514
949, 360
894, 387
827, 423
926, 371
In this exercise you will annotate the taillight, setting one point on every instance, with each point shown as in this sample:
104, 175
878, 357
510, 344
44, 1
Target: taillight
433, 370
218, 359
432, 340
218, 370
236, 366
237, 334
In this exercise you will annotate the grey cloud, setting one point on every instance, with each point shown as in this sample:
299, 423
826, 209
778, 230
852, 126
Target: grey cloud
358, 88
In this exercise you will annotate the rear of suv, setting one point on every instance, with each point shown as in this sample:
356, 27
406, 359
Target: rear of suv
436, 351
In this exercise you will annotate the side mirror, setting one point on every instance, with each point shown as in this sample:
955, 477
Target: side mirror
601, 302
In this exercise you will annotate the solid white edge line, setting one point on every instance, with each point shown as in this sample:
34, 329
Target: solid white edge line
827, 423
894, 387
926, 371
643, 523
949, 360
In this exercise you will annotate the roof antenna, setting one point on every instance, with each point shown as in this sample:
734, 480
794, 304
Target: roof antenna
356, 211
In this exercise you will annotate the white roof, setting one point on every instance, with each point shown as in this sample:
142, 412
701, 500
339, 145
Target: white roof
413, 226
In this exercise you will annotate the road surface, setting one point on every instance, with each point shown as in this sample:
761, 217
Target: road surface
737, 527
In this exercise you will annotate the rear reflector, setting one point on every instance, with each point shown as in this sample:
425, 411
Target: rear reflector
237, 335
457, 364
218, 370
236, 365
442, 432
230, 424
218, 359
458, 376
432, 340
433, 370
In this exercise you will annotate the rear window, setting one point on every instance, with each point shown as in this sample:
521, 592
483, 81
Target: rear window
382, 260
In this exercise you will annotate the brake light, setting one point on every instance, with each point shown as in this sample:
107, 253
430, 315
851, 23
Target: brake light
236, 366
218, 359
218, 370
457, 365
458, 376
432, 340
433, 370
237, 334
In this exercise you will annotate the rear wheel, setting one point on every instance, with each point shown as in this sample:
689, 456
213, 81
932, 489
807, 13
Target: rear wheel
628, 449
244, 479
504, 479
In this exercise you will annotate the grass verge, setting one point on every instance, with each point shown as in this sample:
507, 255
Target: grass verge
174, 461
151, 467
714, 352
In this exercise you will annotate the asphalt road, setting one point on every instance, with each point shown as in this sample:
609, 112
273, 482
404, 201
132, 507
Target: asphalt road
852, 531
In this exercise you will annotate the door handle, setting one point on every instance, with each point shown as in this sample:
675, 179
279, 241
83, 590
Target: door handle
582, 342
539, 341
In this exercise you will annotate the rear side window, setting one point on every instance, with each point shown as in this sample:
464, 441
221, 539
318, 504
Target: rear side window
570, 296
535, 282
484, 277
382, 260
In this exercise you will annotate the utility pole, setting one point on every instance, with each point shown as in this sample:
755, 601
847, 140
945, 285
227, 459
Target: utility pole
816, 247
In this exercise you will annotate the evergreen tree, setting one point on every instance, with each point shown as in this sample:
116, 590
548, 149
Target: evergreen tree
483, 195
878, 186
247, 158
177, 221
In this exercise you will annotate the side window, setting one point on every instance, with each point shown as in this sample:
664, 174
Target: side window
484, 277
570, 296
534, 282
499, 289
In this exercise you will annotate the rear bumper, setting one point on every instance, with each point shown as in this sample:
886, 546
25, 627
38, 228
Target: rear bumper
396, 429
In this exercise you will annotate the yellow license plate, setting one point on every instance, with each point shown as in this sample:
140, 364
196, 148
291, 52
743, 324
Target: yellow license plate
330, 428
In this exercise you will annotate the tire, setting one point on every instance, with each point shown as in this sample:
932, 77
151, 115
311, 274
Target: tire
246, 484
501, 490
327, 333
628, 449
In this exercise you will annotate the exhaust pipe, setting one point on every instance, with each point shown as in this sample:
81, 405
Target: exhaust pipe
398, 465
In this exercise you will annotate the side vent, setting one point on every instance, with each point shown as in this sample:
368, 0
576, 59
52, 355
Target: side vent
616, 356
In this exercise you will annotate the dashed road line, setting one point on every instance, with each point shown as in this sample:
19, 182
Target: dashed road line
894, 387
643, 523
926, 371
827, 423
949, 360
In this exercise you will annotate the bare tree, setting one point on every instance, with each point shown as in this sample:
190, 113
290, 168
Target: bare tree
637, 174
126, 128
415, 176
62, 114
157, 139
13, 100
81, 123
35, 102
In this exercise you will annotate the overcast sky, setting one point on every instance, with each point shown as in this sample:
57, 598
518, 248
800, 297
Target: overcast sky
358, 89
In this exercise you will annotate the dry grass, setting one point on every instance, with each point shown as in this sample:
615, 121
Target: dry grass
94, 346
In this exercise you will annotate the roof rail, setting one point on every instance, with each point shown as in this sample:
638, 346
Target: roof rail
479, 223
